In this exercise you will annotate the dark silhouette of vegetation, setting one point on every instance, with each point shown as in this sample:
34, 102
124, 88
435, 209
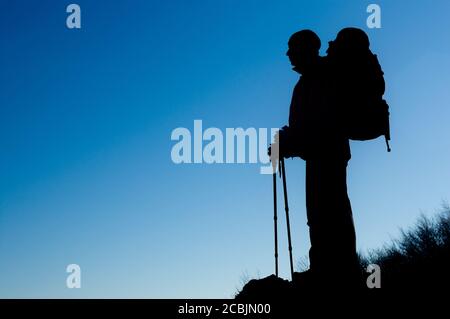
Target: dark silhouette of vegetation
418, 260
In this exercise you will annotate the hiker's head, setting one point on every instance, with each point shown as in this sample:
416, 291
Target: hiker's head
303, 49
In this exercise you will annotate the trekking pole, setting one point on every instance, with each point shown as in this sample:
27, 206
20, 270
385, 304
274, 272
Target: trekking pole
283, 172
275, 218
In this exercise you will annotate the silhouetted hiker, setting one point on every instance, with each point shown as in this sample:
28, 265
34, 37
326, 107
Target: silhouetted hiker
314, 135
338, 97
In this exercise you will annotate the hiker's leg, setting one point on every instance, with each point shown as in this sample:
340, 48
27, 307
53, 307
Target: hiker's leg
340, 230
316, 253
332, 233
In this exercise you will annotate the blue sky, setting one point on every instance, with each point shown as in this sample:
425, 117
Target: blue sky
86, 117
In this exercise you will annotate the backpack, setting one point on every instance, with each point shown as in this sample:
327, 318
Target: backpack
359, 86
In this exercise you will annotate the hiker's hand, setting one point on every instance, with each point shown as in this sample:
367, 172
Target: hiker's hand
275, 147
289, 143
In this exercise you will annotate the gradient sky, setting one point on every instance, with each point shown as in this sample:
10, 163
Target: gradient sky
86, 117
